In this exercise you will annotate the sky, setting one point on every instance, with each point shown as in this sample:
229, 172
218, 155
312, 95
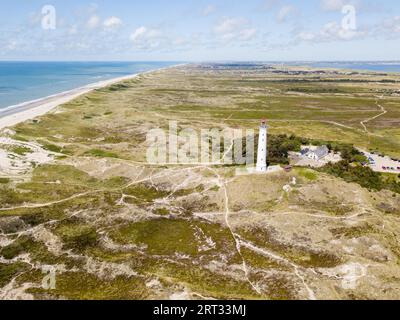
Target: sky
200, 30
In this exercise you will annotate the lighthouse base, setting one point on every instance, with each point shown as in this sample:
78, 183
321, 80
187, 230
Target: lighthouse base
261, 169
254, 170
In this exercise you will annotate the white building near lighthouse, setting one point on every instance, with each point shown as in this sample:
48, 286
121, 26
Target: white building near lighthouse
262, 148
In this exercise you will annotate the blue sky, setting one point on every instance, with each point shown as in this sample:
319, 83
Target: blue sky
200, 30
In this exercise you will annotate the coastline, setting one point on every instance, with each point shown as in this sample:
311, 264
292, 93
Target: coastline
13, 115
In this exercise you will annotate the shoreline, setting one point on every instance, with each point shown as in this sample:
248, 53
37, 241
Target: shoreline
13, 115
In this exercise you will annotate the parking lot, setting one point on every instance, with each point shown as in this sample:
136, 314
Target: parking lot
382, 164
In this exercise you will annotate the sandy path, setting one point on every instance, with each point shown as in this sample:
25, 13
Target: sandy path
363, 123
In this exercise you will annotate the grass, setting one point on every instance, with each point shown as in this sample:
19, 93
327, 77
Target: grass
207, 283
4, 180
101, 153
10, 197
354, 232
53, 148
57, 182
169, 236
37, 251
307, 173
305, 257
21, 150
143, 193
83, 286
162, 212
77, 236
9, 271
162, 237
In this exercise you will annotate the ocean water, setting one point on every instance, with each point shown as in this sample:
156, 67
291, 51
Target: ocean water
25, 81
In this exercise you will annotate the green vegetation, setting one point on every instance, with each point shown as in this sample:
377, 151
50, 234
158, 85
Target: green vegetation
9, 197
57, 182
169, 236
9, 271
84, 286
4, 180
354, 232
307, 173
362, 175
53, 148
21, 150
77, 236
162, 237
27, 245
162, 212
101, 153
206, 282
117, 87
302, 256
143, 193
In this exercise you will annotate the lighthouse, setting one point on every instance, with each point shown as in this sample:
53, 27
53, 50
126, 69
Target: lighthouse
262, 148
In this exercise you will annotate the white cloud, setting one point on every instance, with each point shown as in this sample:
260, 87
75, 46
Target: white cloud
270, 4
93, 22
337, 5
179, 41
334, 31
229, 29
144, 33
306, 36
247, 34
112, 23
390, 27
210, 9
332, 5
12, 45
229, 25
331, 31
73, 30
138, 34
285, 12
148, 38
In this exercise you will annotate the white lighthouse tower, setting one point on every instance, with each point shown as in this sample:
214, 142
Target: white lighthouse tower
262, 148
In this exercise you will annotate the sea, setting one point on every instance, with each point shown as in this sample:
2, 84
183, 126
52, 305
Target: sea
21, 82
387, 66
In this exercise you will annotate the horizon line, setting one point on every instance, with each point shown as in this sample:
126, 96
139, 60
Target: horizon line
196, 61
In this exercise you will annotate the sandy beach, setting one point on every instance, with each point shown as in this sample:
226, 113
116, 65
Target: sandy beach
29, 110
13, 115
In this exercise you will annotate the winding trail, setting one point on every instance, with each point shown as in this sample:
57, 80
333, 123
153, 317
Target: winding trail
240, 242
235, 237
49, 204
269, 254
384, 111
